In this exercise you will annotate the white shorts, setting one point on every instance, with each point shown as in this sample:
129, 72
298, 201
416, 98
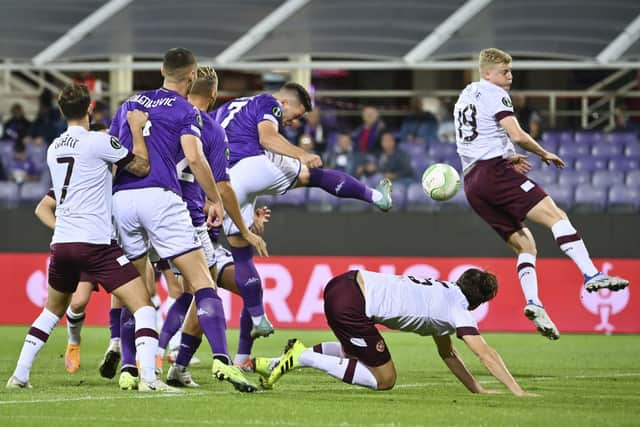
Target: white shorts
223, 259
207, 246
156, 216
257, 175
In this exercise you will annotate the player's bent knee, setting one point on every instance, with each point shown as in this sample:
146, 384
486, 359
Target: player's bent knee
386, 382
303, 177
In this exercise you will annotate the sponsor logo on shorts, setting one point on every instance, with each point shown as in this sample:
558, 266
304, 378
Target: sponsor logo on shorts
527, 186
380, 346
358, 342
115, 143
123, 260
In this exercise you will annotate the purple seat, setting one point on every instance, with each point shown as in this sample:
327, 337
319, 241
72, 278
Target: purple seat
590, 199
632, 150
33, 191
37, 152
456, 203
543, 177
573, 151
321, 201
606, 150
9, 191
557, 136
588, 137
399, 195
623, 164
414, 149
454, 160
561, 194
296, 197
572, 177
442, 150
590, 164
372, 180
633, 179
417, 201
622, 138
605, 178
624, 200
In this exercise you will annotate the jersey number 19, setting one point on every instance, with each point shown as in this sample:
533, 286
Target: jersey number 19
467, 124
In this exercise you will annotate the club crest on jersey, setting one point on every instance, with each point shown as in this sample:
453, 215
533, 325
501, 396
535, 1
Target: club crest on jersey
227, 153
380, 346
115, 143
507, 102
199, 119
277, 112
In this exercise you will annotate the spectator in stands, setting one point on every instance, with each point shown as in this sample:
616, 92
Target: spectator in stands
367, 136
394, 163
419, 126
22, 168
527, 116
48, 123
314, 128
446, 126
17, 127
348, 160
623, 122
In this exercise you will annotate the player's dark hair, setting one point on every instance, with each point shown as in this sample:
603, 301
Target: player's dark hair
98, 126
301, 94
478, 286
74, 100
176, 61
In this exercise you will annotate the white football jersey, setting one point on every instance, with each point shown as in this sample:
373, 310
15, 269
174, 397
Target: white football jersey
423, 306
80, 165
477, 114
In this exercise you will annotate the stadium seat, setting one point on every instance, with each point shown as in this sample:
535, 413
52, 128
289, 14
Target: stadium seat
319, 200
589, 199
557, 136
561, 194
399, 195
9, 191
589, 164
606, 150
417, 201
414, 149
573, 151
572, 177
623, 164
442, 150
31, 191
622, 138
624, 200
295, 197
606, 178
632, 150
543, 177
633, 179
37, 152
588, 137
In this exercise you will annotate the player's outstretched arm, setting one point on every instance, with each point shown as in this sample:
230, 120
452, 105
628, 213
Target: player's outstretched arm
454, 362
46, 211
231, 205
524, 140
192, 148
139, 165
271, 139
494, 364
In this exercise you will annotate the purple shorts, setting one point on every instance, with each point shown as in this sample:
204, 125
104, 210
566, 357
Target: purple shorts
106, 264
344, 307
500, 195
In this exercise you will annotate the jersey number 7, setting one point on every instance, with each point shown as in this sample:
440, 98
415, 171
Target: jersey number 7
67, 177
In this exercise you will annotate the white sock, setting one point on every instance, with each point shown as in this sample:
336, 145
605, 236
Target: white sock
256, 320
376, 196
114, 344
350, 371
240, 359
74, 326
573, 246
528, 277
36, 337
157, 304
329, 348
146, 342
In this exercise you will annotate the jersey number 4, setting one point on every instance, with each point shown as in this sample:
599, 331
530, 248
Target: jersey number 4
67, 177
467, 123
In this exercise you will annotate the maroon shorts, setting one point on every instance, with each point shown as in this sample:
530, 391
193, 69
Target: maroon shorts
84, 277
344, 307
107, 264
500, 195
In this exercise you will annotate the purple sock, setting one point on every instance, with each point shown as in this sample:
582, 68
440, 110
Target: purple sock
248, 280
212, 321
188, 347
339, 184
127, 338
114, 322
175, 318
245, 342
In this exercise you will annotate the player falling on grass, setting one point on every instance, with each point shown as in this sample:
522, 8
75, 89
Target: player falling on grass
151, 208
263, 162
356, 301
499, 191
80, 163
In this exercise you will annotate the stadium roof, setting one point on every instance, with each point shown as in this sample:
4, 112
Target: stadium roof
366, 34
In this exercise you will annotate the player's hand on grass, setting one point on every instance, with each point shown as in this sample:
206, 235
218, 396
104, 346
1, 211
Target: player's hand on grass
526, 394
257, 242
549, 157
520, 163
137, 119
260, 217
311, 160
215, 214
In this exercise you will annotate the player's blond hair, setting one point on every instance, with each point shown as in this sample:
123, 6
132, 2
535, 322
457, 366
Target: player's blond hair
206, 80
492, 56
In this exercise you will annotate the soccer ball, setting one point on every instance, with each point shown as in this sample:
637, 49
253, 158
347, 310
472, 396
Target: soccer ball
440, 181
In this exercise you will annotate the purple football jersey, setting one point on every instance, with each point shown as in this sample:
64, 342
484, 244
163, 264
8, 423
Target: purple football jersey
214, 145
240, 118
170, 117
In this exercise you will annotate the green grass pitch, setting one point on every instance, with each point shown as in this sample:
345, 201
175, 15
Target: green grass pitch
585, 380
